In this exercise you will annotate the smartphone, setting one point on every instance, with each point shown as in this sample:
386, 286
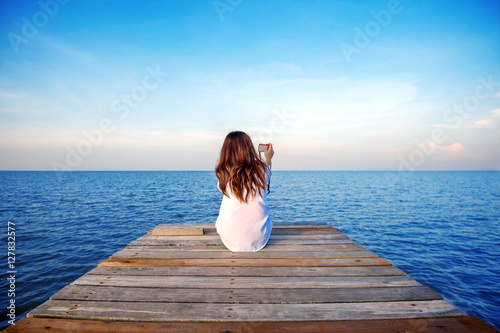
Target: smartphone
262, 147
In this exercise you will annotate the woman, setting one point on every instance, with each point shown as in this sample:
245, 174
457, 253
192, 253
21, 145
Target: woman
243, 223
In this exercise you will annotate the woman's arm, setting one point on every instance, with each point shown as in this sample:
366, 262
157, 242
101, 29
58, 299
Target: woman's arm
269, 153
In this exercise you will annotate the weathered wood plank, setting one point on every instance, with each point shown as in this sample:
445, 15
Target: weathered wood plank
178, 232
421, 325
250, 271
227, 254
178, 229
305, 232
213, 237
243, 295
269, 248
209, 242
288, 231
183, 225
245, 281
243, 312
212, 231
257, 262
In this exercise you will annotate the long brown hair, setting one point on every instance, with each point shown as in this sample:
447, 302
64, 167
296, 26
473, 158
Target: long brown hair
240, 168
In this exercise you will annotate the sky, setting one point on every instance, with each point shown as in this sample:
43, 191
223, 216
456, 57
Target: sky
334, 85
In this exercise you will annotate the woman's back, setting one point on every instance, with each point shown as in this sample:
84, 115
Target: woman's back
245, 227
243, 223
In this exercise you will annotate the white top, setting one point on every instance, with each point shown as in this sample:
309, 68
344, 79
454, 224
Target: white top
245, 227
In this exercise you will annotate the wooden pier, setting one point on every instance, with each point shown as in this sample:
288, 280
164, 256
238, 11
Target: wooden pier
309, 278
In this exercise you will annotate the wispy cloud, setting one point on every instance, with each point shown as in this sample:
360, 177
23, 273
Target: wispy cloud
492, 122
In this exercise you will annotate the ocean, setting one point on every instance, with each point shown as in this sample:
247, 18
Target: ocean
442, 228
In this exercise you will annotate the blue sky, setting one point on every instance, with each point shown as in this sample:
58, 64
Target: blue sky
335, 85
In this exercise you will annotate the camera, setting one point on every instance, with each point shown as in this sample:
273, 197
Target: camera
262, 147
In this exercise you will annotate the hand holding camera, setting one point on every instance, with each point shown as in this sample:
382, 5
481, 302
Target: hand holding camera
267, 149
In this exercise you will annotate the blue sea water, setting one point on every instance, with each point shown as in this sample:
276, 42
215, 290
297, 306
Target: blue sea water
442, 228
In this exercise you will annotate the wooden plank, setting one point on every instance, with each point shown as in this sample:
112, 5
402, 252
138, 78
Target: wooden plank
197, 229
216, 237
209, 242
250, 271
243, 295
269, 248
275, 231
246, 282
178, 232
243, 312
288, 231
179, 229
427, 325
227, 254
183, 225
280, 262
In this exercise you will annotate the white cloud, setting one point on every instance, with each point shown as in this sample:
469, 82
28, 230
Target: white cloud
492, 122
453, 148
484, 123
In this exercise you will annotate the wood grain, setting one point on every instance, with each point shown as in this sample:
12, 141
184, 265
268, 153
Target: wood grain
420, 325
246, 281
214, 237
350, 246
136, 254
257, 262
244, 295
155, 240
249, 271
207, 312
